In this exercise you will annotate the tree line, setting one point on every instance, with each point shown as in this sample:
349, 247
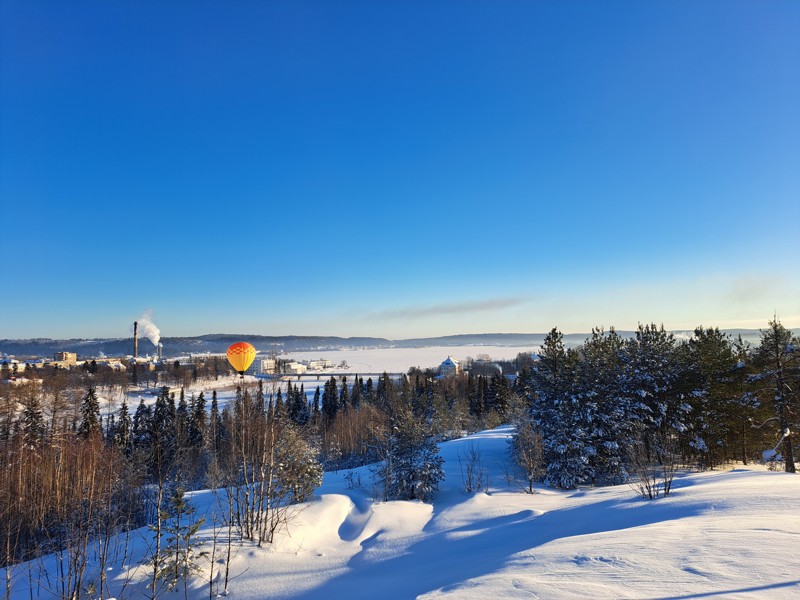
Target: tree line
707, 400
78, 477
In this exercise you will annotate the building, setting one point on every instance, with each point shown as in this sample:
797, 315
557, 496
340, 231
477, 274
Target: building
320, 364
449, 367
295, 368
66, 357
267, 366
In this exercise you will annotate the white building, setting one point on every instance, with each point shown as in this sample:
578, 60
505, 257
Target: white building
267, 365
320, 364
296, 368
449, 367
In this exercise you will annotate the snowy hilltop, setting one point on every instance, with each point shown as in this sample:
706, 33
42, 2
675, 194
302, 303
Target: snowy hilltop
719, 533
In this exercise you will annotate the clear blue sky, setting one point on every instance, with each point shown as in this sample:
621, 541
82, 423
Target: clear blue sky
397, 169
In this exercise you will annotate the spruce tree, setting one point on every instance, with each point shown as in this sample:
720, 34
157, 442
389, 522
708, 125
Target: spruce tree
179, 559
90, 415
316, 403
369, 392
344, 397
215, 428
197, 423
280, 409
123, 436
32, 424
411, 467
162, 434
142, 426
298, 407
330, 401
182, 422
355, 397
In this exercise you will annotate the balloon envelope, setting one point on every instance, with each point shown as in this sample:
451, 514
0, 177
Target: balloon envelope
241, 355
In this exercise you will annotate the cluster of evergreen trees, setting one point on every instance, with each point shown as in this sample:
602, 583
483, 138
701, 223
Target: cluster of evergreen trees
713, 397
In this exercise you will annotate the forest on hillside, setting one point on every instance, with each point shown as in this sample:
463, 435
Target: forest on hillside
611, 410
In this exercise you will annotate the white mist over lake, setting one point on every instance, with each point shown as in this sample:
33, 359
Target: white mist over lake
399, 360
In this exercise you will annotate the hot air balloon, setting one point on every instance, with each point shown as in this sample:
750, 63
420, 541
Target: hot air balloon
241, 355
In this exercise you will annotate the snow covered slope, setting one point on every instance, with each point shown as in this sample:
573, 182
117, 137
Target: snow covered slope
721, 534
729, 534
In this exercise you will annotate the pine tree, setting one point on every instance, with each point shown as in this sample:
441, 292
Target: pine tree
711, 363
748, 409
605, 410
558, 414
778, 382
654, 381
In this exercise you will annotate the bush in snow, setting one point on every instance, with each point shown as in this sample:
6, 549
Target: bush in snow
410, 466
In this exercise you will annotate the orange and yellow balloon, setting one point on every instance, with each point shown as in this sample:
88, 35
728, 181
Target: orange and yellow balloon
241, 356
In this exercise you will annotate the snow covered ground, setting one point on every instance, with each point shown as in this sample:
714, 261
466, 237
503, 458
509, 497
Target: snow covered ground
720, 534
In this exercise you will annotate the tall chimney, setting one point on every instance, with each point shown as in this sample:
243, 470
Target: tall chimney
135, 339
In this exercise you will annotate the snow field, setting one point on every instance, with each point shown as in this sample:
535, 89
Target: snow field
728, 534
719, 534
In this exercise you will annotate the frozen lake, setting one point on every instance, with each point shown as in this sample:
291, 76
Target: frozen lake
399, 360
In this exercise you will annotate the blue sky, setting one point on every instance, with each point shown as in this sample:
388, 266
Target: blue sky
397, 169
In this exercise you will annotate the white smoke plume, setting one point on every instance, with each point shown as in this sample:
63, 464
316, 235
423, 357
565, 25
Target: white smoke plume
148, 329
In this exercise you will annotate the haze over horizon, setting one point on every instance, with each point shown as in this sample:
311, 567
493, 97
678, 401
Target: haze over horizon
398, 170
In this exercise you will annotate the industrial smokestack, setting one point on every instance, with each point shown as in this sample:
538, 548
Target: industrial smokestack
135, 339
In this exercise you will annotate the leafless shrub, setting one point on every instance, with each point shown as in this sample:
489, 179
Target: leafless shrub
473, 472
653, 459
526, 451
352, 480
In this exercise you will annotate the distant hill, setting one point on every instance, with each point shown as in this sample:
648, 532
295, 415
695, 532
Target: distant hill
219, 342
174, 346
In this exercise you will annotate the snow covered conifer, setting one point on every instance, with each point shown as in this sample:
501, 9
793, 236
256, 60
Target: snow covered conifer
330, 401
32, 424
556, 412
653, 381
411, 467
778, 380
604, 407
711, 363
90, 415
123, 435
